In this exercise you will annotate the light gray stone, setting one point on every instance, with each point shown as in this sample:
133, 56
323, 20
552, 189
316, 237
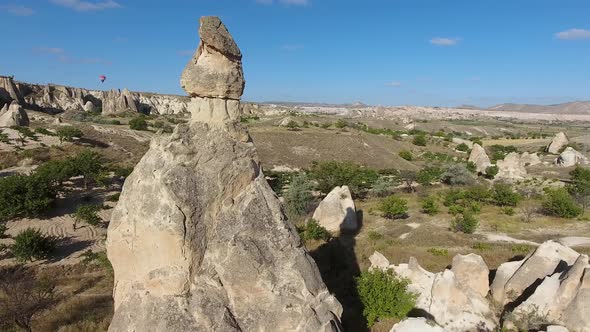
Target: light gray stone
480, 158
472, 272
570, 157
14, 115
559, 142
416, 325
337, 212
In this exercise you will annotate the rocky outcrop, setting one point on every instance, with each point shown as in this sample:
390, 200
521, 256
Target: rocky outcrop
163, 104
530, 159
480, 158
570, 157
9, 91
337, 211
89, 107
215, 71
558, 143
416, 325
471, 271
511, 168
13, 115
454, 305
116, 102
198, 240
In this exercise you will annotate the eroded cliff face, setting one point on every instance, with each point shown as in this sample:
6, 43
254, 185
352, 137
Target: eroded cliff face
55, 99
198, 240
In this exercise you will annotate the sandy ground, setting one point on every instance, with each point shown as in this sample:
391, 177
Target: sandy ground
42, 140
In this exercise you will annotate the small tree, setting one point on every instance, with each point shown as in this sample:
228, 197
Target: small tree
340, 124
558, 202
430, 206
408, 178
293, 126
407, 155
88, 214
503, 195
138, 123
89, 164
466, 223
429, 175
394, 207
384, 295
457, 175
579, 187
462, 147
23, 296
298, 195
68, 133
492, 171
420, 140
528, 212
312, 230
330, 174
31, 244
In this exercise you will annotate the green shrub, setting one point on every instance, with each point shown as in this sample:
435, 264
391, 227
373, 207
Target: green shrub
457, 175
579, 187
68, 133
87, 213
340, 124
298, 195
471, 166
478, 193
462, 147
89, 164
394, 207
99, 258
138, 123
3, 230
375, 236
453, 196
44, 131
384, 295
507, 210
481, 246
407, 155
503, 195
25, 196
382, 186
466, 223
430, 206
331, 174
31, 244
113, 197
499, 152
313, 231
438, 252
429, 175
492, 171
420, 140
558, 202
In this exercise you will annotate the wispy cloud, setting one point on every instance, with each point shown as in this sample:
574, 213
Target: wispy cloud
292, 47
17, 10
285, 2
573, 34
85, 6
60, 55
394, 84
444, 41
185, 53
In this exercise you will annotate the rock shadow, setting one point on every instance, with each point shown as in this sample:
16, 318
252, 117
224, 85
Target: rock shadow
66, 247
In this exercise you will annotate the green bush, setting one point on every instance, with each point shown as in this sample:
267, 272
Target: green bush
558, 202
499, 152
478, 193
331, 174
462, 147
3, 230
430, 206
113, 197
89, 164
503, 195
25, 196
579, 187
507, 210
457, 175
31, 244
382, 186
471, 166
429, 175
394, 207
68, 133
87, 213
407, 155
492, 171
384, 295
313, 231
420, 140
138, 123
438, 252
340, 124
44, 131
298, 196
466, 223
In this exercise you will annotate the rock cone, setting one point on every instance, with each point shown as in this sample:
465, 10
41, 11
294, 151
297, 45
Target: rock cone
198, 240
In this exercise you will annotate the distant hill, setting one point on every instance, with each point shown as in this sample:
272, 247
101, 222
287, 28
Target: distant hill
577, 107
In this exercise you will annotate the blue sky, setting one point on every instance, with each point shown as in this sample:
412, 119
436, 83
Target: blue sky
388, 52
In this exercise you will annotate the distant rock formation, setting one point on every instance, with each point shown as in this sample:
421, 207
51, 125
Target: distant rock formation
511, 168
337, 211
116, 102
551, 282
13, 115
198, 240
9, 91
559, 142
480, 158
570, 157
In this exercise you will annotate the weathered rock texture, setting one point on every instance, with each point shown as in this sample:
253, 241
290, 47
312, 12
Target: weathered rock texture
198, 240
559, 142
511, 168
570, 157
552, 282
115, 101
480, 158
13, 115
416, 325
337, 212
216, 68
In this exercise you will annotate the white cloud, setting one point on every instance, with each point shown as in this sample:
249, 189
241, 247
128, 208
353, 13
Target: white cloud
292, 47
285, 2
84, 6
573, 34
17, 10
444, 41
394, 84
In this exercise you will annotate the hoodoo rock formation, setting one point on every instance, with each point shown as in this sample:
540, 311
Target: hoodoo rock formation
198, 240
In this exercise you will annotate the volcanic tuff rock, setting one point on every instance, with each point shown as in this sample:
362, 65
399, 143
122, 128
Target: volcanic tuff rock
215, 71
511, 168
570, 157
559, 142
199, 242
480, 158
9, 91
13, 115
416, 325
337, 211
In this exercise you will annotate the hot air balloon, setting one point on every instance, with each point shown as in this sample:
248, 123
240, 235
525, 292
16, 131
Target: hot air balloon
102, 78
